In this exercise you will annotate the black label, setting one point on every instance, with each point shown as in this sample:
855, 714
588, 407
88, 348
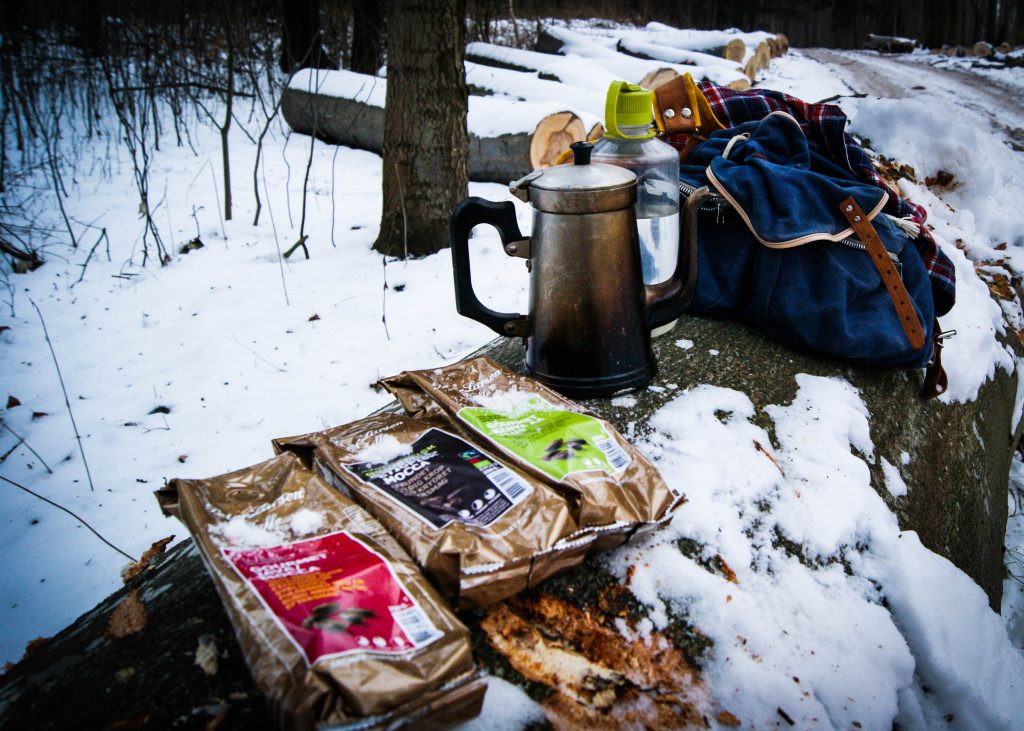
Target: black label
445, 480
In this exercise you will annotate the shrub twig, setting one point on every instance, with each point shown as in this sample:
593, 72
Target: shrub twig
73, 514
21, 440
67, 401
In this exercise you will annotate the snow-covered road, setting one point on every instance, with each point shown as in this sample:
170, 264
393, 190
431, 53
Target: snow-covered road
995, 97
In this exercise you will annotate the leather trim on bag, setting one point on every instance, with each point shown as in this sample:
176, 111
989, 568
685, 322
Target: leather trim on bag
731, 143
800, 240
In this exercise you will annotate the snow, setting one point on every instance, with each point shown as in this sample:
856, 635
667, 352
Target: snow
804, 79
574, 71
1012, 609
893, 479
241, 532
836, 616
367, 89
384, 448
488, 116
506, 708
987, 175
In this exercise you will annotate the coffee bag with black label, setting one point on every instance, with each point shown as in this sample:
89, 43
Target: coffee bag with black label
481, 530
612, 487
337, 624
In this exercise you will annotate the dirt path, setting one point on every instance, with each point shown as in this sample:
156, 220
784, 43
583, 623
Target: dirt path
897, 77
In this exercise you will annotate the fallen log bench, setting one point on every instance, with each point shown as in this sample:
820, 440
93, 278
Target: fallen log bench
507, 138
175, 663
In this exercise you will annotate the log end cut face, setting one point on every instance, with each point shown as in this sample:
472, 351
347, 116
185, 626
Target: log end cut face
553, 136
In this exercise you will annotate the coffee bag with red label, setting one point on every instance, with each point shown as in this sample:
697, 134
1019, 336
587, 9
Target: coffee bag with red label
335, 621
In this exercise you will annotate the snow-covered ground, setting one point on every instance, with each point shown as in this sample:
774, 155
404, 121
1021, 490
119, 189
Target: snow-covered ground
190, 369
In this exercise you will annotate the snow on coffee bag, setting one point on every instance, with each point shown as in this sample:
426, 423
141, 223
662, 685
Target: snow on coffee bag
611, 486
337, 624
482, 531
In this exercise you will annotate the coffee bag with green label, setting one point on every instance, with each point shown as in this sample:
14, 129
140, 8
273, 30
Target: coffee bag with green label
337, 624
612, 487
481, 530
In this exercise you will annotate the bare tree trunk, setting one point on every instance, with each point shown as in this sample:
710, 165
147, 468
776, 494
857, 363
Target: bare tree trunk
426, 146
228, 104
367, 36
301, 44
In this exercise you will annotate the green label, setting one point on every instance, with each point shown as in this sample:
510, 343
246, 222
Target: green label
556, 442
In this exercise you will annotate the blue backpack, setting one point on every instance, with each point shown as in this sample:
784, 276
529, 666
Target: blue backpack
779, 246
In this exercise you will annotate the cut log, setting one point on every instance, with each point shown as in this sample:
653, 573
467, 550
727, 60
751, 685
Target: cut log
668, 46
658, 77
553, 136
508, 138
588, 104
763, 55
727, 44
736, 50
889, 44
670, 54
627, 68
578, 72
700, 65
751, 69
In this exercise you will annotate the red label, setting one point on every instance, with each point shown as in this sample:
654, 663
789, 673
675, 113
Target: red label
334, 596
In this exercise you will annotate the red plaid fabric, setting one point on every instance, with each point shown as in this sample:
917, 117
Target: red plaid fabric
825, 128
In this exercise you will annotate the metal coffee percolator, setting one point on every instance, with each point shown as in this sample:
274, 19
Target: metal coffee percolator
588, 329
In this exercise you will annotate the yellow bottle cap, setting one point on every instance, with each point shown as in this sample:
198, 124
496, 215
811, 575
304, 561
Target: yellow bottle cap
628, 105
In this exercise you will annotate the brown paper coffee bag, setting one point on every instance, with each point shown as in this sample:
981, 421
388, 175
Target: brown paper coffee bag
611, 486
337, 624
481, 530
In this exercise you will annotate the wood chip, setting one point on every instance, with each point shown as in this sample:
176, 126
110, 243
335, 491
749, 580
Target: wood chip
727, 719
34, 645
206, 655
766, 453
132, 570
128, 617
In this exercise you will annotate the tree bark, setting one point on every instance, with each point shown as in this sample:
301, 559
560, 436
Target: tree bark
367, 36
426, 146
301, 44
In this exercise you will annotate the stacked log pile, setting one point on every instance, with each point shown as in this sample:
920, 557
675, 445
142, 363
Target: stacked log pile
527, 107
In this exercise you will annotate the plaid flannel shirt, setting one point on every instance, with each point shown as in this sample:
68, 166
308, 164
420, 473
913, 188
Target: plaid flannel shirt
825, 128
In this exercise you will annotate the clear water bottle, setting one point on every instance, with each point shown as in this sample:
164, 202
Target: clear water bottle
629, 142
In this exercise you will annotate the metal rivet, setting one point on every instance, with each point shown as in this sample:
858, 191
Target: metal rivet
512, 248
856, 218
849, 209
668, 113
686, 112
509, 327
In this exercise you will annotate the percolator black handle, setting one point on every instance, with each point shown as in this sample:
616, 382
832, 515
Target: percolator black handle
467, 214
667, 300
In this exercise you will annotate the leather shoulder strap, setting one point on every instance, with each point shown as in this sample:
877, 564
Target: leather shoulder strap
897, 291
